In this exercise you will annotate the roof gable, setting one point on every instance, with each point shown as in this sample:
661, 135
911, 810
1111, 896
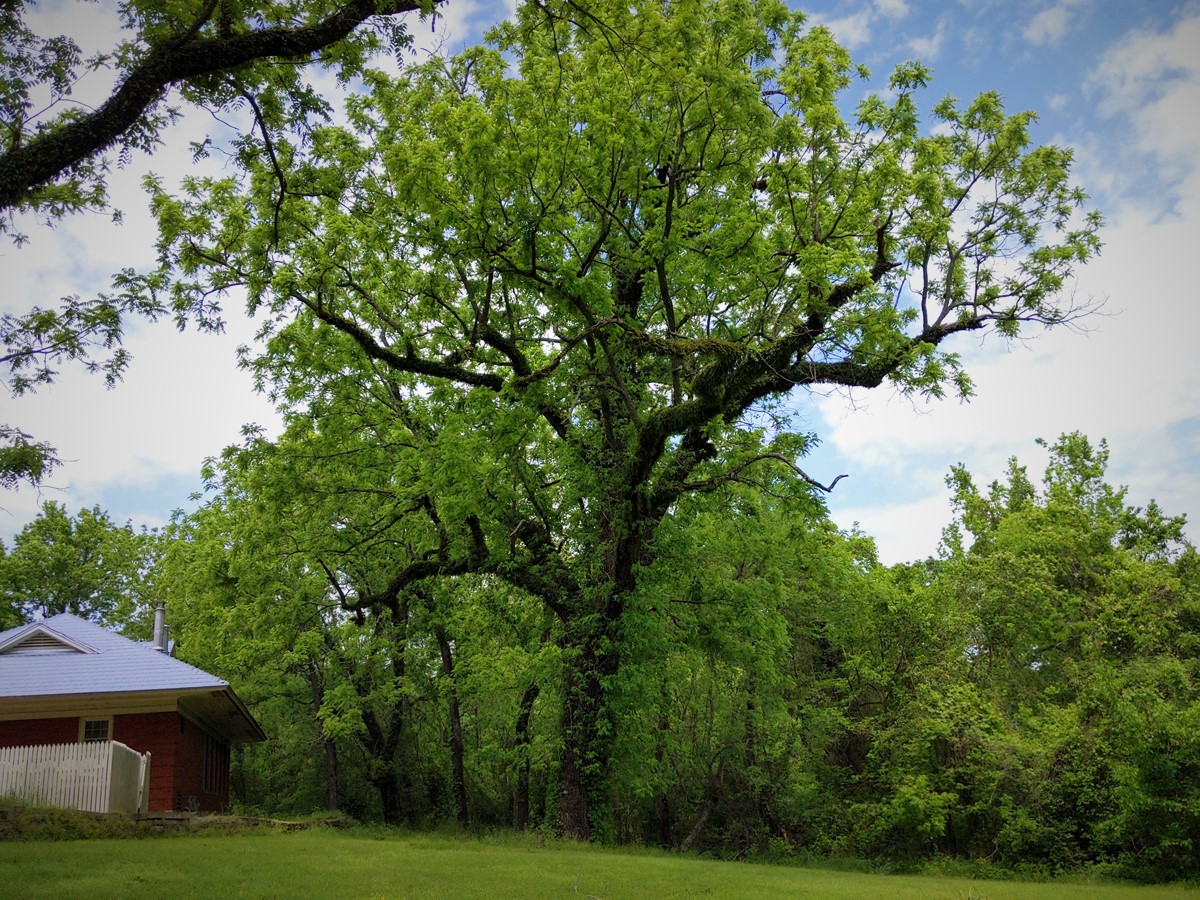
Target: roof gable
40, 638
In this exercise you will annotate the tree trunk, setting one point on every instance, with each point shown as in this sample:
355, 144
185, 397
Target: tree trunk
329, 749
762, 794
581, 705
521, 794
456, 734
592, 659
389, 796
331, 775
662, 806
711, 793
382, 739
698, 828
587, 729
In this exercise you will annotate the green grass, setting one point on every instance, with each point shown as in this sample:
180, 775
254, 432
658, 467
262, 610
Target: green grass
326, 863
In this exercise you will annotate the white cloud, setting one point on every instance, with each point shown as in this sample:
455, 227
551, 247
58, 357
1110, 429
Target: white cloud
929, 46
1051, 25
850, 31
902, 532
183, 399
1152, 80
892, 9
1132, 380
853, 29
1048, 26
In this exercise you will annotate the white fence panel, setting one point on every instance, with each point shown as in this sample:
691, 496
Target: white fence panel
129, 788
98, 776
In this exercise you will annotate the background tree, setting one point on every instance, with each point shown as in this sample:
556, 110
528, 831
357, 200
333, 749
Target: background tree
278, 628
83, 564
722, 714
591, 279
418, 710
1083, 611
213, 54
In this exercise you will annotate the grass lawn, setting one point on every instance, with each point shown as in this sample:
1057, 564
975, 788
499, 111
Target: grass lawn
323, 863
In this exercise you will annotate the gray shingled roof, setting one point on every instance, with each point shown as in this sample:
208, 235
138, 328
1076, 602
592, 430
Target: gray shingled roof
117, 665
66, 662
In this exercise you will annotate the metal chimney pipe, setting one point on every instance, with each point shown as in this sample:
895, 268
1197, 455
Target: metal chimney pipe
160, 627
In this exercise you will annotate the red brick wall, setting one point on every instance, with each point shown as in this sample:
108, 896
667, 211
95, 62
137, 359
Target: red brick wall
190, 771
176, 746
157, 733
30, 732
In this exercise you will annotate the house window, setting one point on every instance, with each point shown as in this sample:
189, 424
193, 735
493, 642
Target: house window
95, 730
216, 765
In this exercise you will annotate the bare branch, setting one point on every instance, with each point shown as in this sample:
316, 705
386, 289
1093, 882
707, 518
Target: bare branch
733, 475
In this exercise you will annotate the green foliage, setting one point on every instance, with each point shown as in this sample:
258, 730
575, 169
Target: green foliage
83, 564
1028, 700
1074, 603
23, 458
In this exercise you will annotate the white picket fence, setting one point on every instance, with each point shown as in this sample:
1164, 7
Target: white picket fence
99, 776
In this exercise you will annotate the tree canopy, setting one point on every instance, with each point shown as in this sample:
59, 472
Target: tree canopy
535, 295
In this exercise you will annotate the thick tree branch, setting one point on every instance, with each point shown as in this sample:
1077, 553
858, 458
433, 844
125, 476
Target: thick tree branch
392, 359
544, 573
414, 572
56, 150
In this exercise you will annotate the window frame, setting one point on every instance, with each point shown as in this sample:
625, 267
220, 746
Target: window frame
84, 721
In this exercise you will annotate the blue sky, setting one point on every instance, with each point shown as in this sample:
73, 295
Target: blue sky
1117, 81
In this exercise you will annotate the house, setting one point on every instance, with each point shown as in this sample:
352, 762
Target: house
67, 680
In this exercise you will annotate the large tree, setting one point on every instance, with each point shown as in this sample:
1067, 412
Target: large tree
212, 54
554, 285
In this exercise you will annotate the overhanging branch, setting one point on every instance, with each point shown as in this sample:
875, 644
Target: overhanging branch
54, 151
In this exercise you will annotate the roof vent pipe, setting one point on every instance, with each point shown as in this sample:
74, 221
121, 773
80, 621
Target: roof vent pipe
160, 627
